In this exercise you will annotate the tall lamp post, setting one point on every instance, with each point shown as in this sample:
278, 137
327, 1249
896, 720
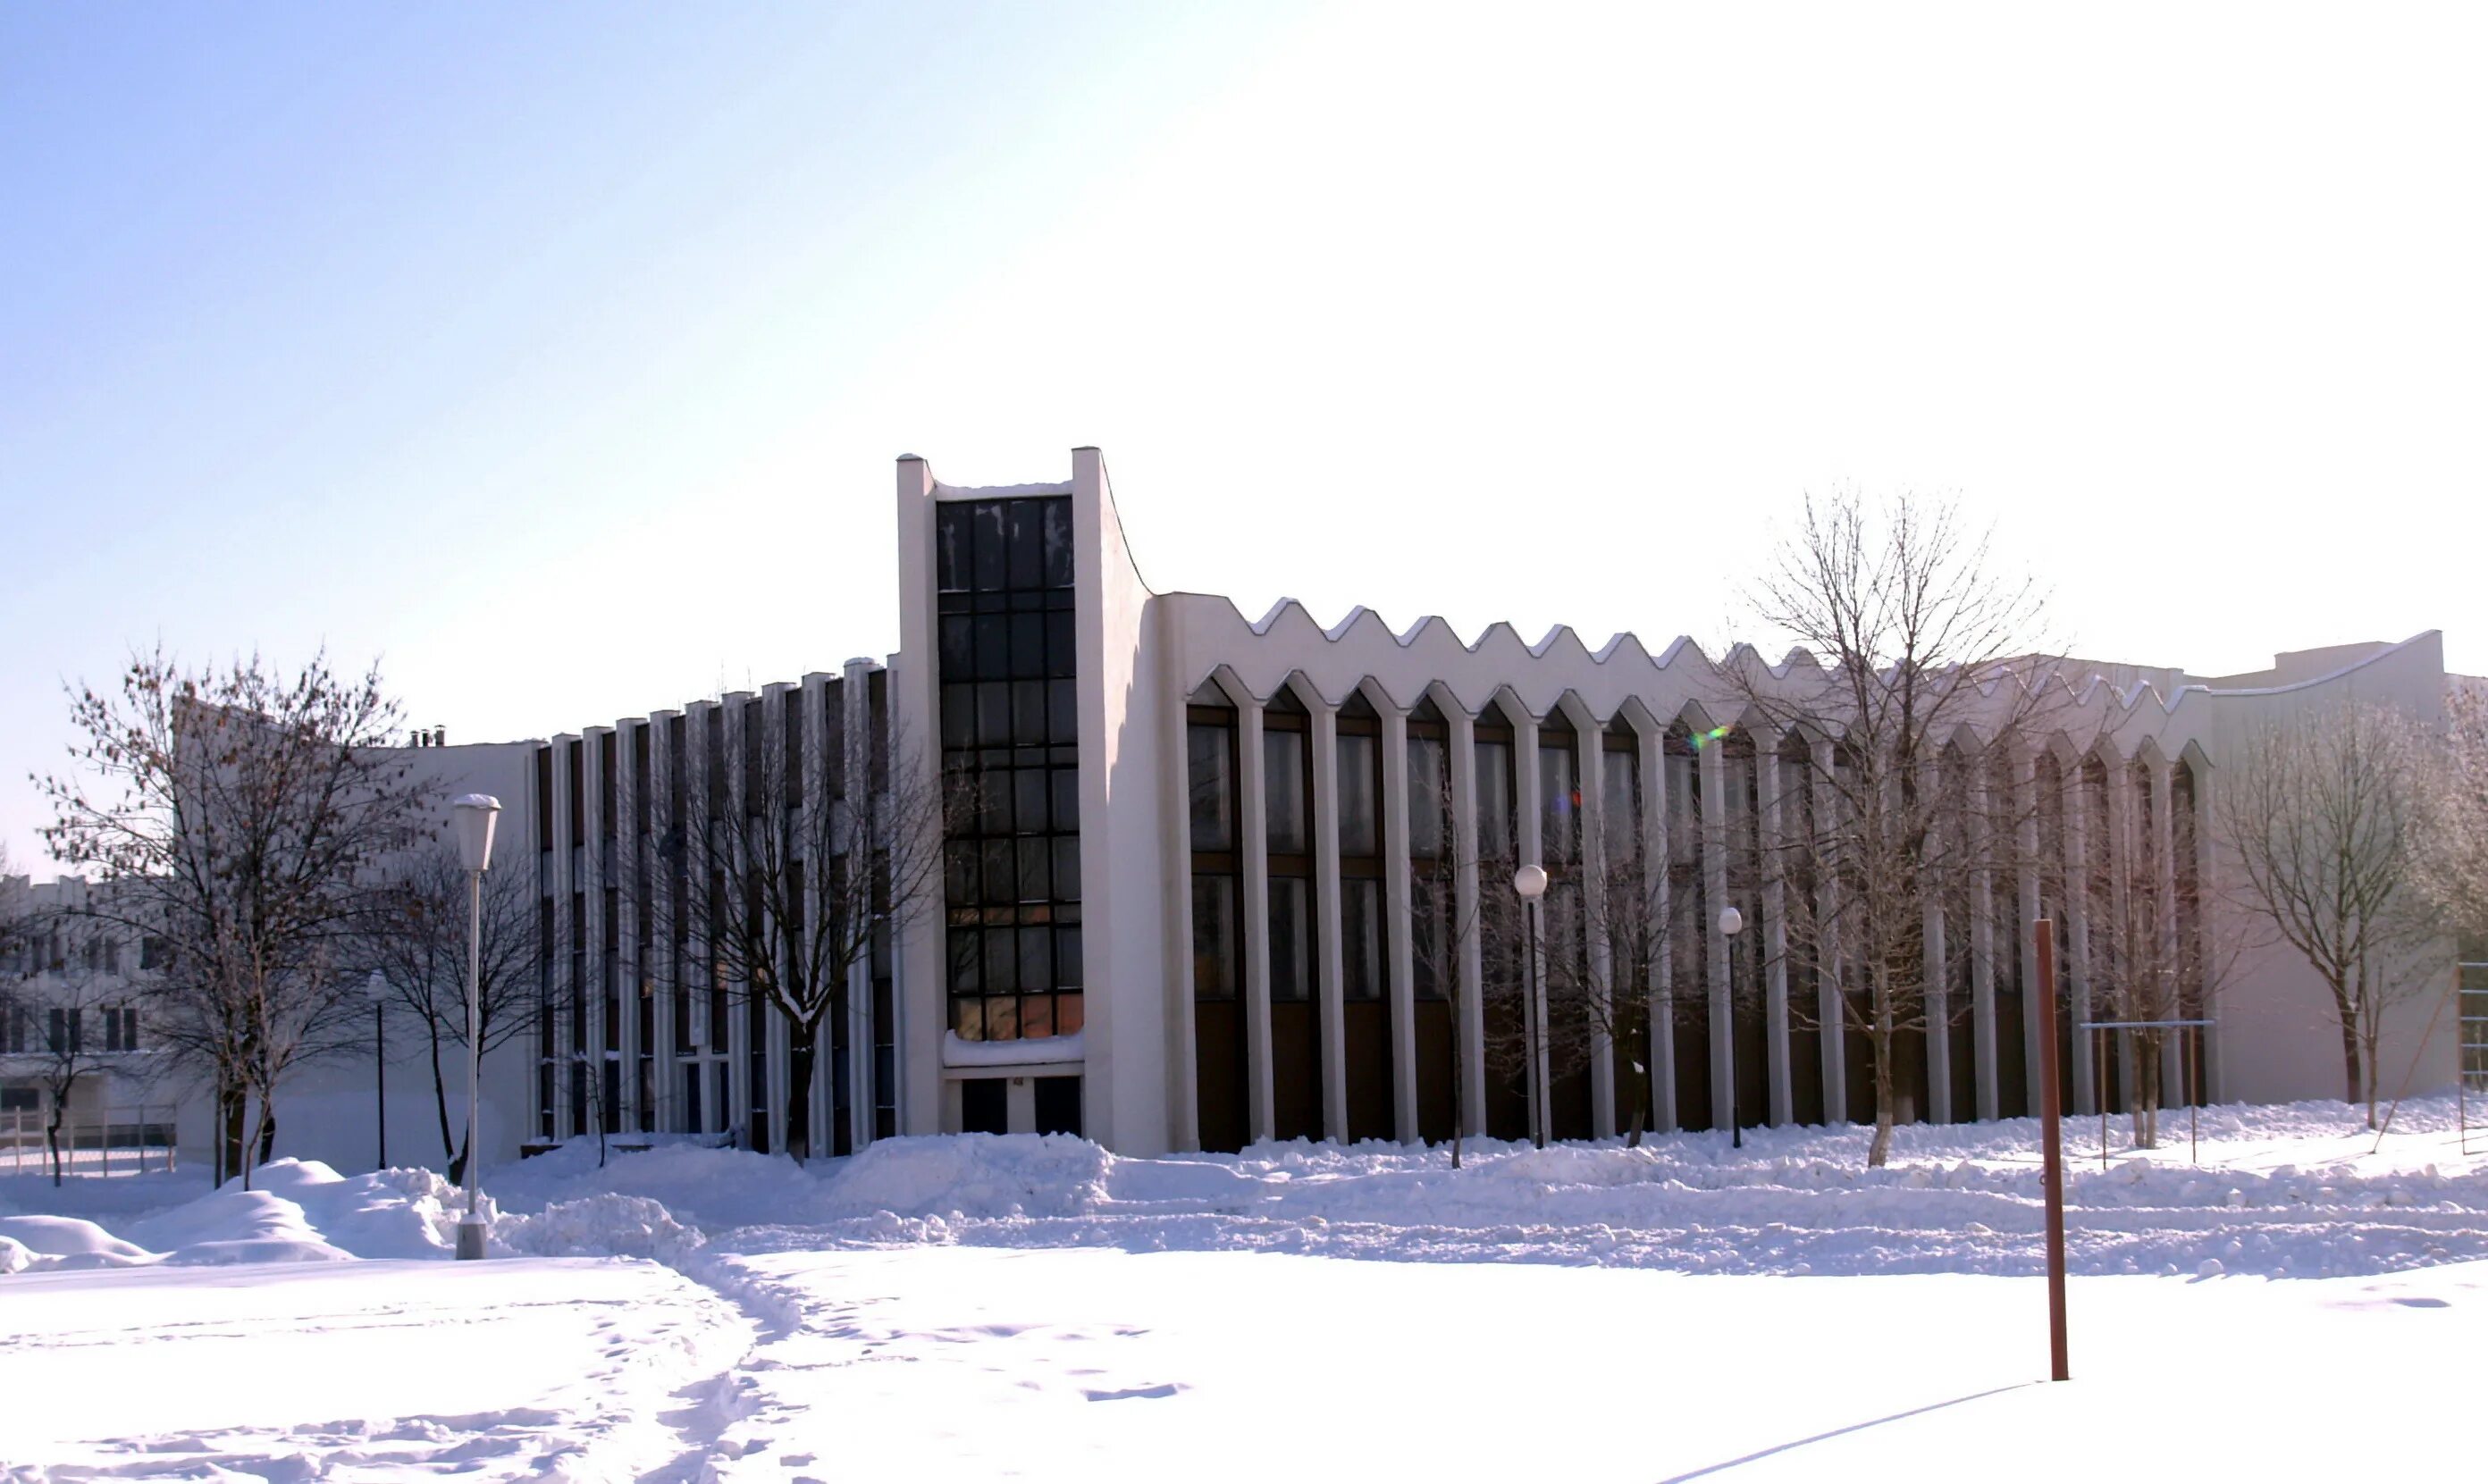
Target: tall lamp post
376, 987
1731, 923
473, 816
1530, 881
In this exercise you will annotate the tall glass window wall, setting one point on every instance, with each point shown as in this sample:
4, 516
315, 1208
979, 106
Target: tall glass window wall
1010, 746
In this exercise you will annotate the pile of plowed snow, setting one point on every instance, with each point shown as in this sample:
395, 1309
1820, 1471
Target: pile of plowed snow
296, 1211
2282, 1192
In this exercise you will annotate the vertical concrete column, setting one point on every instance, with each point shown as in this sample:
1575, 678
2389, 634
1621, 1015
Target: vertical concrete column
1651, 757
1715, 877
1529, 845
1254, 824
919, 968
1329, 972
1831, 1010
1399, 949
1768, 783
591, 866
1593, 828
2077, 930
787, 827
1982, 935
2037, 1040
1461, 744
2163, 949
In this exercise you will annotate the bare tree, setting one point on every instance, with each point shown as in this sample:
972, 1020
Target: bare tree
1916, 643
236, 813
2448, 864
784, 873
2321, 817
416, 939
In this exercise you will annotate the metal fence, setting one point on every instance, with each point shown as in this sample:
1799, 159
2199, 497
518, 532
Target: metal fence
120, 1141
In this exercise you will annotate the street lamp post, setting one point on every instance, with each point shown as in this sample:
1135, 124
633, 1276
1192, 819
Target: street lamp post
377, 989
1530, 881
1731, 923
472, 815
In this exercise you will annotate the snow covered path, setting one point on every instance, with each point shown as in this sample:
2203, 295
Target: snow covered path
964, 1363
968, 1308
368, 1370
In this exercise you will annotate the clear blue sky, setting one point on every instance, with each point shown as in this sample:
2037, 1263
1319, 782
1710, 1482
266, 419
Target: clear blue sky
447, 334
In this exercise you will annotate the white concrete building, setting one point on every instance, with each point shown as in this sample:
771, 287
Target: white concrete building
1188, 921
1187, 913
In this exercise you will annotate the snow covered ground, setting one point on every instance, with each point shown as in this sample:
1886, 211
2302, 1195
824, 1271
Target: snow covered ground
981, 1307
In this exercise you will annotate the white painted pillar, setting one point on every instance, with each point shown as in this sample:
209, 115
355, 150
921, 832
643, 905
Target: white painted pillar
1528, 845
1399, 940
814, 833
569, 997
1252, 788
1329, 970
855, 710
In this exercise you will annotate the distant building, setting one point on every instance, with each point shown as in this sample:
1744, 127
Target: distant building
72, 993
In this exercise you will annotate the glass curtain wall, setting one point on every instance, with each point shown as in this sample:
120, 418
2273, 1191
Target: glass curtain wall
1689, 914
1798, 899
1364, 946
2191, 1001
1503, 934
1009, 743
1221, 1072
1295, 993
1433, 936
1631, 911
1571, 1031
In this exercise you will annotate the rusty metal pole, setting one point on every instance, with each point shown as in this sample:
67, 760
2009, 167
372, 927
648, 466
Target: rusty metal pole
2051, 1153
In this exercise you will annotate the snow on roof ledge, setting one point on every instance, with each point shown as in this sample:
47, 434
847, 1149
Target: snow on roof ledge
943, 491
1038, 1051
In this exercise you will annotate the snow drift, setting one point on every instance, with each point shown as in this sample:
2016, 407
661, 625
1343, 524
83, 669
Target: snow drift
2279, 1191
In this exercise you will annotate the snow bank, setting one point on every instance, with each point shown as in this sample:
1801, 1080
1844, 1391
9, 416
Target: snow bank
600, 1226
64, 1241
2290, 1191
999, 1176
